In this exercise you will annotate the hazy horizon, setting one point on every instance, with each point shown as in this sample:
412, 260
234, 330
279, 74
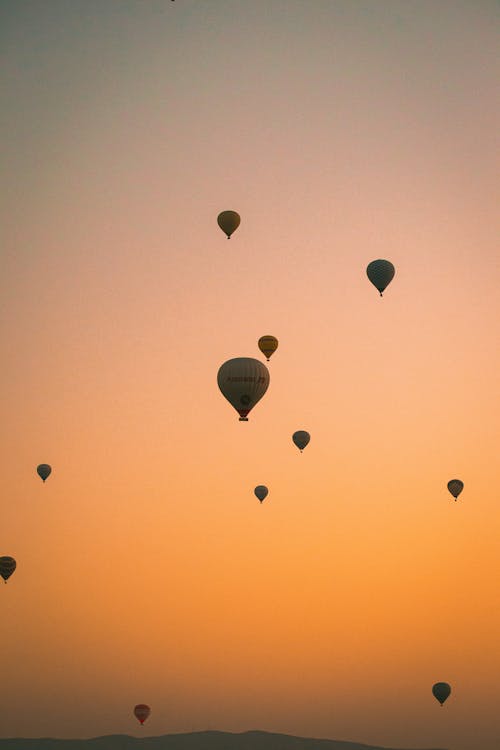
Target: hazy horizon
210, 740
341, 131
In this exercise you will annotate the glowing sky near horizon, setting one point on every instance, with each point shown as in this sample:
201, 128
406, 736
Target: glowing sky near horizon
341, 131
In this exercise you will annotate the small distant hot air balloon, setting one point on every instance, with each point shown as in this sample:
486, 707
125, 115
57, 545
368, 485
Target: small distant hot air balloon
243, 381
455, 486
268, 345
261, 492
301, 439
7, 567
43, 471
441, 691
141, 712
228, 221
380, 273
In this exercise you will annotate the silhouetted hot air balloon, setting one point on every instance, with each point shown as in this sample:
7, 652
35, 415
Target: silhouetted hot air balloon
455, 486
43, 471
261, 492
228, 221
268, 345
380, 273
441, 691
7, 567
141, 712
301, 439
243, 381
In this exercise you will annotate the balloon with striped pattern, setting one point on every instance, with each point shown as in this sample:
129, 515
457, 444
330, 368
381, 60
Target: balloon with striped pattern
243, 381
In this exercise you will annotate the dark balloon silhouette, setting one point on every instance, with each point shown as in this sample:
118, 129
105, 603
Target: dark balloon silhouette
43, 471
141, 712
261, 492
7, 567
268, 345
228, 221
455, 486
441, 691
381, 273
301, 439
243, 381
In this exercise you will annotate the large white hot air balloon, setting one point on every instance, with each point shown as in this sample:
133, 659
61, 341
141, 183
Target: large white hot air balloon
243, 381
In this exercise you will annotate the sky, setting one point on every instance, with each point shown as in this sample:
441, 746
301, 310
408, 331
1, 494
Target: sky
342, 131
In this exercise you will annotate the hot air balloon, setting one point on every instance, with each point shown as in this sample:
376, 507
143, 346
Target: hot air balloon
43, 471
261, 492
455, 486
228, 221
268, 345
141, 712
441, 691
301, 439
380, 273
243, 381
7, 567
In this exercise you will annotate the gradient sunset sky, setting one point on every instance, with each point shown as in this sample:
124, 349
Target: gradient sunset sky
342, 131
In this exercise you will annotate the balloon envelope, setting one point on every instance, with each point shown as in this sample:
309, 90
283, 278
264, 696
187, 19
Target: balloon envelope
7, 567
141, 712
441, 691
301, 439
261, 492
455, 486
43, 471
381, 273
268, 345
243, 381
228, 221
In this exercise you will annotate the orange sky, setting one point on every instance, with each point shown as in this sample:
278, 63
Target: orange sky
147, 570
